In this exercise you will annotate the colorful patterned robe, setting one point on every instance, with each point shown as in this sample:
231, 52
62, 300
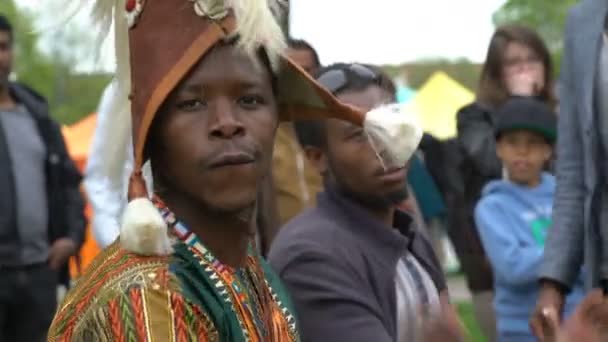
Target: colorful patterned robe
187, 296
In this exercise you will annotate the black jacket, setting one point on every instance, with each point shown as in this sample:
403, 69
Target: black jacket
475, 164
434, 159
66, 203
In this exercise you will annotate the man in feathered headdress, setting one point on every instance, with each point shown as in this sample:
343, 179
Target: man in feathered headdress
205, 83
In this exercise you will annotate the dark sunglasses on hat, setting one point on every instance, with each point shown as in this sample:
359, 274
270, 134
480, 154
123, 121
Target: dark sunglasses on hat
336, 79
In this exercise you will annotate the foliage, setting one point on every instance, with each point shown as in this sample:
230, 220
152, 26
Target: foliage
81, 95
547, 17
71, 95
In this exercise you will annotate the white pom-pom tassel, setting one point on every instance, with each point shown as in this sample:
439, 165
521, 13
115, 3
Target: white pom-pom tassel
143, 229
394, 132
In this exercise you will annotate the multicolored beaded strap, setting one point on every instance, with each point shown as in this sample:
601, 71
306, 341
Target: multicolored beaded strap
242, 284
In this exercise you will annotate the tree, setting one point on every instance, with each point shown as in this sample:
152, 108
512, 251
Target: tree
547, 17
70, 94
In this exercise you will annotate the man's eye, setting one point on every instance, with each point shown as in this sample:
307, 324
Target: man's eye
251, 101
190, 105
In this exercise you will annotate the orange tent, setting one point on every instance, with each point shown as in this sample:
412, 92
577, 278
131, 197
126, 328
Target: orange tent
78, 138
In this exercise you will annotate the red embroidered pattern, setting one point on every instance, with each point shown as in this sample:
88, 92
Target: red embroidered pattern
115, 320
138, 310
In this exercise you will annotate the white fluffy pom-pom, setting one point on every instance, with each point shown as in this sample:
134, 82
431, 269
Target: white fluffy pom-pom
394, 132
143, 229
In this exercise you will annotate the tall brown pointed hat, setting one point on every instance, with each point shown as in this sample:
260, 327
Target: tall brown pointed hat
157, 44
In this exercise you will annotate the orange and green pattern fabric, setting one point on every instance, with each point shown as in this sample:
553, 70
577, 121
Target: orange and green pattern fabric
187, 296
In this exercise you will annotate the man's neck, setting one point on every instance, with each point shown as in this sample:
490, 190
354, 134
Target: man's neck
381, 211
386, 215
226, 235
6, 101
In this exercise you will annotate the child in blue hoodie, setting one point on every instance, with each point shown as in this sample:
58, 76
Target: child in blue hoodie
514, 214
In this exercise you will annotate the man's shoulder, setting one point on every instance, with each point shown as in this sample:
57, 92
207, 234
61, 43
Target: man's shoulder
123, 296
29, 90
116, 279
314, 230
116, 267
28, 96
310, 221
114, 272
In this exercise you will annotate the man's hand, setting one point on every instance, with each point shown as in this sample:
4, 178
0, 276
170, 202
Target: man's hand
60, 251
589, 323
445, 328
546, 317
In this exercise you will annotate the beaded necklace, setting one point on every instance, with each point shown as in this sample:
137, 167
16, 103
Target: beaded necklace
244, 288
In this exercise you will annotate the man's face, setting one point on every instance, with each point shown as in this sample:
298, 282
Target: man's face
6, 55
214, 140
524, 154
304, 58
351, 161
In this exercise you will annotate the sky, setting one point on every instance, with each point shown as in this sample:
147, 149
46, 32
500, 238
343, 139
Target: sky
394, 31
376, 31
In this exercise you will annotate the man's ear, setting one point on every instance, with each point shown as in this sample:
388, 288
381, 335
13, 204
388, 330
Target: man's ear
317, 158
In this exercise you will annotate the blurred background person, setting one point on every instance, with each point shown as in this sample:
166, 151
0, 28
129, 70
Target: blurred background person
42, 219
514, 215
517, 64
108, 168
580, 233
59, 65
107, 199
423, 179
294, 184
410, 204
339, 258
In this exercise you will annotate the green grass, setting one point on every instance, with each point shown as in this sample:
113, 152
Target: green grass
465, 311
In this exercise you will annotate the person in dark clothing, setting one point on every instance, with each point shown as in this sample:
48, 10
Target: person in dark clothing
294, 183
579, 237
41, 208
433, 151
517, 64
357, 268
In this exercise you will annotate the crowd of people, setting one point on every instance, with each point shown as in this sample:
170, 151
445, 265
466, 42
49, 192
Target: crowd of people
243, 191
